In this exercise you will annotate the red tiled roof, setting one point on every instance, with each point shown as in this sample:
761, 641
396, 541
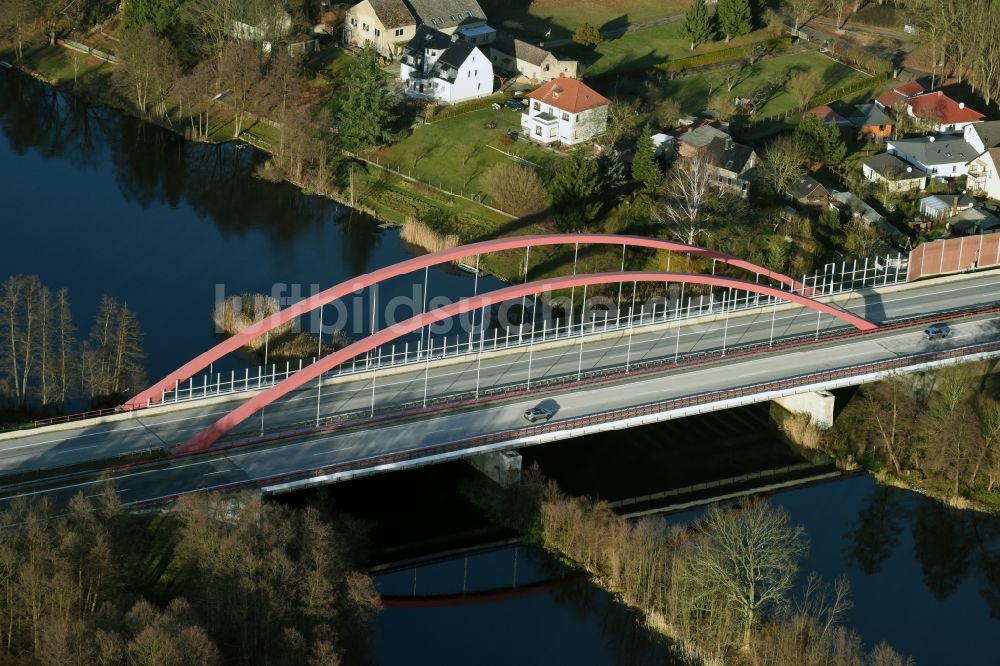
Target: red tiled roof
828, 116
939, 107
889, 98
569, 95
909, 89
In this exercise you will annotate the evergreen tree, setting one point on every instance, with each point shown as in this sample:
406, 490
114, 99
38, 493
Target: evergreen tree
823, 142
697, 26
366, 107
735, 18
645, 169
161, 15
576, 191
613, 175
588, 35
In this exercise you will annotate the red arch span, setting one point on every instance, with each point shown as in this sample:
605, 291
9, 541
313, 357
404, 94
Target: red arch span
233, 343
210, 435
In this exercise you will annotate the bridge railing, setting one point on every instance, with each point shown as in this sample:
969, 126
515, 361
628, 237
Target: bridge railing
833, 279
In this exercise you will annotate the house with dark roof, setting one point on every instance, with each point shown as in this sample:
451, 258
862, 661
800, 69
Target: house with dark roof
808, 191
941, 113
974, 221
983, 136
450, 16
943, 156
894, 173
694, 138
389, 25
386, 24
898, 94
729, 162
534, 63
566, 111
444, 67
872, 121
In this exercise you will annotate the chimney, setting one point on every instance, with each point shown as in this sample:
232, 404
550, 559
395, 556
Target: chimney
954, 206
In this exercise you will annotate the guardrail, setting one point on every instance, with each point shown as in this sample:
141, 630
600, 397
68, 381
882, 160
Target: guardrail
992, 347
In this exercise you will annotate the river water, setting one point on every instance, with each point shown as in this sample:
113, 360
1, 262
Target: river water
101, 203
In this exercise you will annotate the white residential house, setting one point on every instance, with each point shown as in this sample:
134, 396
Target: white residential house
565, 111
983, 136
984, 174
943, 156
941, 113
895, 174
445, 68
262, 27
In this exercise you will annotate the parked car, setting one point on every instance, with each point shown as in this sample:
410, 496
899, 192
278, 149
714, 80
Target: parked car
516, 104
937, 332
537, 414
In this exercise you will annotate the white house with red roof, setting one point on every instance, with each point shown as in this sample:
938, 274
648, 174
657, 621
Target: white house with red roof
566, 111
941, 113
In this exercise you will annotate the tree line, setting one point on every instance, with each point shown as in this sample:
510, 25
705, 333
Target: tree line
43, 365
217, 580
939, 431
724, 588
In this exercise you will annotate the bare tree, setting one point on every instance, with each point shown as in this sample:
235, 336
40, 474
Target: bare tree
212, 21
17, 18
745, 563
803, 87
148, 68
841, 7
688, 189
240, 76
803, 10
783, 161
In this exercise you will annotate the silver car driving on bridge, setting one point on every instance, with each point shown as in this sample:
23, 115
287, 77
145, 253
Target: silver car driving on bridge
536, 414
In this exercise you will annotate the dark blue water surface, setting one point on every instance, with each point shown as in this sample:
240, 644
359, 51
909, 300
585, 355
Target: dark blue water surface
102, 203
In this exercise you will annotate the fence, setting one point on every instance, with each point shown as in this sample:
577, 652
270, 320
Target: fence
954, 255
83, 48
832, 279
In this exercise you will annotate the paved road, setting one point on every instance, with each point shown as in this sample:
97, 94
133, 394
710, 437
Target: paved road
49, 449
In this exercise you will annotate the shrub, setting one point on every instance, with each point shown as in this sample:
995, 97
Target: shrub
514, 188
422, 235
240, 311
506, 141
588, 35
436, 113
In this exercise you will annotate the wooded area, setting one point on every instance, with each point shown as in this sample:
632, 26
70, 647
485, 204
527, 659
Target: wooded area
219, 580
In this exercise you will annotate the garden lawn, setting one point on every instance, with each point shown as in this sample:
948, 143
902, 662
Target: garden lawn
55, 63
456, 152
692, 92
563, 17
644, 48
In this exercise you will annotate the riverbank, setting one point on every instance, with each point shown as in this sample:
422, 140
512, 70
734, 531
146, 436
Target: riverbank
364, 185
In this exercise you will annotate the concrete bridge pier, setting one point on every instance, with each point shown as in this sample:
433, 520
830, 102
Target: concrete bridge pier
817, 405
504, 467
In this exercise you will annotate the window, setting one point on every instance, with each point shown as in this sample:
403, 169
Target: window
469, 74
399, 32
536, 106
377, 32
538, 130
565, 116
364, 26
577, 119
354, 21
477, 72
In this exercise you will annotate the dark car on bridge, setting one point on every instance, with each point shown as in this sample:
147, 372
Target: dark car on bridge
937, 332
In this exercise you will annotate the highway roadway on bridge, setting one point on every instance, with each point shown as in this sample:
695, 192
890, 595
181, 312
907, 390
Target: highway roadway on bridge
44, 449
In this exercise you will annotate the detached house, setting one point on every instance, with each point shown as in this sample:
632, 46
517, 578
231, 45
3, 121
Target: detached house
942, 156
390, 24
984, 174
532, 62
897, 175
808, 191
941, 113
386, 24
983, 136
872, 121
565, 111
444, 68
898, 94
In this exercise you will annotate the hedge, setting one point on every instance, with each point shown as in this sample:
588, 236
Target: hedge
722, 55
436, 113
846, 89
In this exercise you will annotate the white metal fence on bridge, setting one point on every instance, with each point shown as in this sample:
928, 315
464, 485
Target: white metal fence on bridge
834, 278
